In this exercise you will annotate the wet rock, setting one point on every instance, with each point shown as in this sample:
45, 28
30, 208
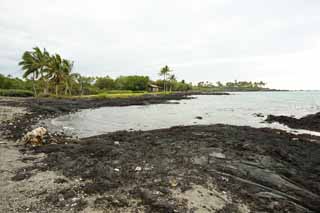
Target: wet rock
309, 122
259, 115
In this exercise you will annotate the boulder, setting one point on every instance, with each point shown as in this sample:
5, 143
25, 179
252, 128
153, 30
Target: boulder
35, 137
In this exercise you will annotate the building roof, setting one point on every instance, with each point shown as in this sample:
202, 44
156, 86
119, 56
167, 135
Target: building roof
153, 86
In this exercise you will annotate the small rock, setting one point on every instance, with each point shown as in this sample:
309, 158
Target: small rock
75, 199
225, 179
60, 197
199, 117
173, 182
116, 143
117, 170
259, 115
138, 169
60, 181
218, 155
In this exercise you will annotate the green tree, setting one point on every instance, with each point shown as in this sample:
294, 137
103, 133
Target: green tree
105, 83
42, 59
67, 67
35, 63
219, 84
28, 65
56, 69
134, 82
172, 81
165, 71
85, 84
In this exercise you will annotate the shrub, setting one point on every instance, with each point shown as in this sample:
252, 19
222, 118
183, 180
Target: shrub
16, 93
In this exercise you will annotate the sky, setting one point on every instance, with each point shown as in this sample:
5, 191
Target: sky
276, 41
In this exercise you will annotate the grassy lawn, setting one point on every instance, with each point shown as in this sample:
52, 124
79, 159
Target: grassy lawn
104, 95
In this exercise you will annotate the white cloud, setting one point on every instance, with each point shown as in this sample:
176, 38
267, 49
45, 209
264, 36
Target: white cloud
275, 41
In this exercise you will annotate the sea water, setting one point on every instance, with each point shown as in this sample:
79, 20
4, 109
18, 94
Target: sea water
239, 108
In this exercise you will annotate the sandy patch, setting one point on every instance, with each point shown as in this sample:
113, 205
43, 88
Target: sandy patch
8, 113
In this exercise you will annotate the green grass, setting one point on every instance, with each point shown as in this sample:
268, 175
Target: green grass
16, 93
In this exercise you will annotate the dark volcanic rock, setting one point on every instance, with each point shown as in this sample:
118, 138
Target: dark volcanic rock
254, 165
309, 122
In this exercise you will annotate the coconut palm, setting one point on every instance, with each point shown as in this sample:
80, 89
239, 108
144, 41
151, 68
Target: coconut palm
56, 69
77, 79
164, 72
68, 76
35, 63
28, 65
261, 84
172, 79
43, 59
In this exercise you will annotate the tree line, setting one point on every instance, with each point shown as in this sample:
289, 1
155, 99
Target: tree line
48, 74
233, 86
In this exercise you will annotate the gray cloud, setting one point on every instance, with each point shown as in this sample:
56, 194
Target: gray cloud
275, 41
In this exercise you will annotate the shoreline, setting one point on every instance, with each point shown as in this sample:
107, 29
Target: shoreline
42, 108
211, 168
309, 122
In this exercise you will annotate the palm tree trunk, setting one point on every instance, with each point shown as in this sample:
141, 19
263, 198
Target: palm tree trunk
33, 85
46, 87
45, 90
57, 89
70, 89
66, 89
164, 82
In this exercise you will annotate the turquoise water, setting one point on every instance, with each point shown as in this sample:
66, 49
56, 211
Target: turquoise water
236, 109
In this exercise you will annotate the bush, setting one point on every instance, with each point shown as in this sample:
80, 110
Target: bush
16, 93
132, 82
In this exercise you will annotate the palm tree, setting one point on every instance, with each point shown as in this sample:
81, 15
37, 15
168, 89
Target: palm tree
43, 59
56, 70
261, 84
72, 80
68, 77
172, 79
28, 65
35, 63
78, 80
164, 72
